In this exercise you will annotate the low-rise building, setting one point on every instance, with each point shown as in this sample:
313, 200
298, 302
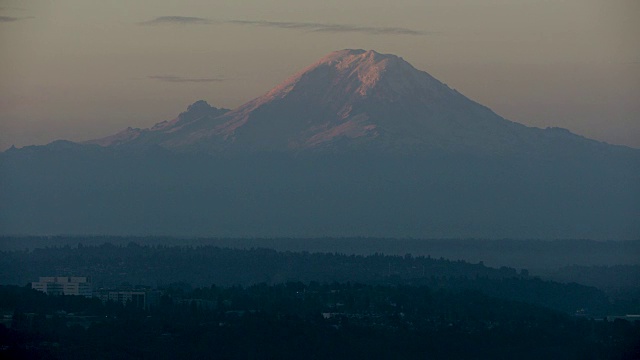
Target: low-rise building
64, 285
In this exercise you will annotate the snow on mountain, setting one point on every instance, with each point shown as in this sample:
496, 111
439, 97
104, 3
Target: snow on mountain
349, 99
200, 111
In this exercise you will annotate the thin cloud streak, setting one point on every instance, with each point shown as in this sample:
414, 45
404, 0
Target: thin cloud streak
290, 25
180, 79
177, 20
13, 18
338, 28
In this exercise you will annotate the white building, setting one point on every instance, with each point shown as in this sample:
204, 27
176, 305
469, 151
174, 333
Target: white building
64, 285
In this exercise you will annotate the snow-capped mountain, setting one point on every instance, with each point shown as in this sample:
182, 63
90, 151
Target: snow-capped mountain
350, 99
357, 144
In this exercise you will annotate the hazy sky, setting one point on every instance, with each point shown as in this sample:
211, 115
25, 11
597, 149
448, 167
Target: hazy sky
80, 69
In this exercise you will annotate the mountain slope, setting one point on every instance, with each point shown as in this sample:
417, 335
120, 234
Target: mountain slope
198, 112
350, 100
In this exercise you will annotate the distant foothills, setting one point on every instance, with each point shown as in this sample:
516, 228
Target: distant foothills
357, 144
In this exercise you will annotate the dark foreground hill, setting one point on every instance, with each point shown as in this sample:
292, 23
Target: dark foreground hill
260, 303
305, 321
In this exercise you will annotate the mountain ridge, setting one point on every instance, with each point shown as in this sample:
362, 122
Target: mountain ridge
348, 100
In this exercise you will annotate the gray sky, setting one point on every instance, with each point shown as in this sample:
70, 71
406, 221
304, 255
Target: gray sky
80, 69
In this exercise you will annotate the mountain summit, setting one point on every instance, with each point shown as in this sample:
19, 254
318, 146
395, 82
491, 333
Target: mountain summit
352, 100
349, 77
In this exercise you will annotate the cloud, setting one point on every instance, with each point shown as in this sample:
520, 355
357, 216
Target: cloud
180, 79
290, 25
338, 28
180, 20
4, 19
